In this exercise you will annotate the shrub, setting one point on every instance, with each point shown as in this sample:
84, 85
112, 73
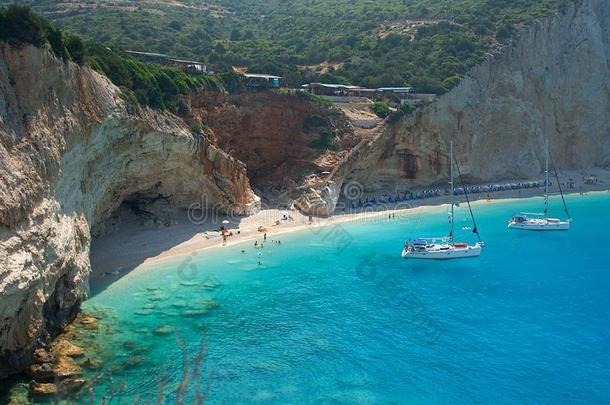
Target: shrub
323, 142
20, 26
313, 121
380, 108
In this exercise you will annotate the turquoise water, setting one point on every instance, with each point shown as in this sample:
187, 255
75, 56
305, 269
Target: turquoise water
338, 317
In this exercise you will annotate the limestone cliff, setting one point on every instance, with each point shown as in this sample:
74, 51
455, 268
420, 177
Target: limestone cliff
70, 153
552, 81
272, 134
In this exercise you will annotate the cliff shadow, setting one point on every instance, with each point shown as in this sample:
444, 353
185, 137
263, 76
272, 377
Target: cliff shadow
128, 238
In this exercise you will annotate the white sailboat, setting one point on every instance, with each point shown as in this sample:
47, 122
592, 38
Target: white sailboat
540, 221
444, 248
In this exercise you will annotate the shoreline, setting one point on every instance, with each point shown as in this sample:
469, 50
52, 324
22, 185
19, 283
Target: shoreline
157, 246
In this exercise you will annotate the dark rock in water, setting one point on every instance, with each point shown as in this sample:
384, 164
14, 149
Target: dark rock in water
41, 371
43, 356
65, 348
92, 364
43, 388
70, 385
163, 330
133, 361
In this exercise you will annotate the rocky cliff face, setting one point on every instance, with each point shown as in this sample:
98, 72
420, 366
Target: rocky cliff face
272, 134
70, 153
551, 81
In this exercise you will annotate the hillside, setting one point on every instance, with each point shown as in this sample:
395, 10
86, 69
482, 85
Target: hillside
426, 43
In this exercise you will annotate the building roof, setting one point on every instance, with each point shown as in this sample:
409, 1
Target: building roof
331, 86
156, 55
396, 89
193, 62
261, 76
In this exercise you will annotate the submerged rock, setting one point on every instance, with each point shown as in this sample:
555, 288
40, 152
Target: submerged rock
210, 285
70, 385
43, 388
163, 330
130, 345
133, 361
18, 394
65, 367
195, 312
65, 348
88, 321
92, 364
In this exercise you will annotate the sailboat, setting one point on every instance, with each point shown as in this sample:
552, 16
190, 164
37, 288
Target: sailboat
540, 221
444, 248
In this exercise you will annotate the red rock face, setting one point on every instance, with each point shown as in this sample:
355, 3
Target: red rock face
272, 134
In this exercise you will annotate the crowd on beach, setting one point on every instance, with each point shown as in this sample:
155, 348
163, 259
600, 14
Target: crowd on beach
437, 192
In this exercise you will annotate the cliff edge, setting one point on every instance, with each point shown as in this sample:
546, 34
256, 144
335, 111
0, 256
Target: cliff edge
71, 152
551, 81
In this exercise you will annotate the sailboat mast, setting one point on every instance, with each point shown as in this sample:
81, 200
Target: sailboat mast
452, 193
546, 176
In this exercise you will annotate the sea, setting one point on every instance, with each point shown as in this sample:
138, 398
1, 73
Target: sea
334, 315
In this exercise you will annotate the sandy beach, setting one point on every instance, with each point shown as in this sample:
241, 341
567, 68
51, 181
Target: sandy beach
117, 253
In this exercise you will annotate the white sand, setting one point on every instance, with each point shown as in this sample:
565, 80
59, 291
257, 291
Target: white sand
133, 246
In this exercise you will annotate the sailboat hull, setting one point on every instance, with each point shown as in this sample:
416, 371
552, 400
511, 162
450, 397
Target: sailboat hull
444, 252
541, 225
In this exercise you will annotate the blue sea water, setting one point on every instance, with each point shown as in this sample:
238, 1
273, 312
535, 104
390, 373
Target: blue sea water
337, 316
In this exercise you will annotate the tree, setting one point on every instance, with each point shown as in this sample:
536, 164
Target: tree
235, 35
76, 48
20, 26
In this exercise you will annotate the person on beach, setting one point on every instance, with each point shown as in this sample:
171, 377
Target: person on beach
255, 243
265, 236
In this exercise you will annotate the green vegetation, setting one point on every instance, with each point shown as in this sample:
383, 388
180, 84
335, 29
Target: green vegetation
147, 83
369, 43
405, 109
380, 108
323, 142
314, 121
314, 98
20, 26
154, 85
